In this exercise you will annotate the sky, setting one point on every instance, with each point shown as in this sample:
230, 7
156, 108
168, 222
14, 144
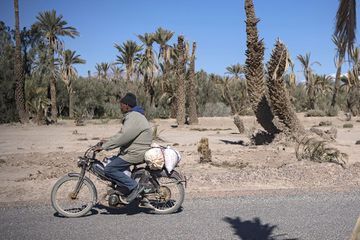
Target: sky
217, 26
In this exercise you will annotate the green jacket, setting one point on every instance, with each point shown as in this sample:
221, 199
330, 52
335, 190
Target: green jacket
134, 138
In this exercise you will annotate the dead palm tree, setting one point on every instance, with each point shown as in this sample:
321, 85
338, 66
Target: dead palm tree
180, 76
254, 72
69, 73
51, 27
278, 94
128, 56
193, 118
19, 71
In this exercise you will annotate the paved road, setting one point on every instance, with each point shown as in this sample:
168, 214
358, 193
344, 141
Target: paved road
329, 216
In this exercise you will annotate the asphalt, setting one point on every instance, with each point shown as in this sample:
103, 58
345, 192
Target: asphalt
301, 215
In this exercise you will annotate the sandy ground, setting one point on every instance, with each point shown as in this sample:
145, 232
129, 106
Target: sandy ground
33, 157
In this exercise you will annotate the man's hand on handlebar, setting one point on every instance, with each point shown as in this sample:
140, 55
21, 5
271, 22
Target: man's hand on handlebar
97, 147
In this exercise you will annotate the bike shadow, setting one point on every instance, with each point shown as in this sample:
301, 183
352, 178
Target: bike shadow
254, 229
90, 213
130, 209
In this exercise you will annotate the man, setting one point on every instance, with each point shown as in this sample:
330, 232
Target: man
134, 139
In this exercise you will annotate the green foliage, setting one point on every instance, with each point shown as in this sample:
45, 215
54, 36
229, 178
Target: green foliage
7, 80
315, 113
218, 109
348, 125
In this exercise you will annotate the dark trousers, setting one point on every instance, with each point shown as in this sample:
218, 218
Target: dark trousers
115, 170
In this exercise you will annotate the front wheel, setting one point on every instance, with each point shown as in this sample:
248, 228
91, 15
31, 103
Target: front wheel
168, 197
67, 202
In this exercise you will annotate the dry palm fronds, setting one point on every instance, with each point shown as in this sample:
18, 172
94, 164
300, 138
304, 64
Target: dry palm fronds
277, 92
254, 72
318, 151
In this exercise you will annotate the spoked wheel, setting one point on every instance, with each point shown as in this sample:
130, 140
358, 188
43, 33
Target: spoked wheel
169, 197
69, 203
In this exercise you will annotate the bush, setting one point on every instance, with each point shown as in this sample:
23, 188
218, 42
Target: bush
315, 113
216, 110
348, 125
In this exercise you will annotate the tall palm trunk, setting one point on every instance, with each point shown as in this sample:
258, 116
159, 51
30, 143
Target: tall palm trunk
230, 99
337, 78
254, 72
180, 76
193, 119
71, 100
311, 93
19, 70
54, 111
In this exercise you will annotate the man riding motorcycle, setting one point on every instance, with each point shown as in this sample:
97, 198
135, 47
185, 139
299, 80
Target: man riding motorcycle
134, 139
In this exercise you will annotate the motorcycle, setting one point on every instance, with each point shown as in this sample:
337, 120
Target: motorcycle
74, 195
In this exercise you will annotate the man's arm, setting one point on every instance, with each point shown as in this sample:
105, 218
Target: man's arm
128, 133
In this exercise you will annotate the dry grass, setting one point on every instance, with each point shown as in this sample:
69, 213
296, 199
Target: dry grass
318, 151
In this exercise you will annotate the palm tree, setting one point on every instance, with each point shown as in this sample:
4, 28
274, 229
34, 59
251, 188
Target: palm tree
105, 69
180, 76
193, 118
51, 28
340, 56
148, 64
116, 72
98, 71
309, 78
161, 37
278, 94
254, 72
226, 95
69, 73
19, 70
128, 56
345, 36
235, 70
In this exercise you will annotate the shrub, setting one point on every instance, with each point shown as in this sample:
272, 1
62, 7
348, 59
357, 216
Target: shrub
315, 113
348, 125
216, 110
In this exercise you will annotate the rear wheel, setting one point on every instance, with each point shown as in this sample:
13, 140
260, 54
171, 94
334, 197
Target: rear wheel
69, 204
168, 197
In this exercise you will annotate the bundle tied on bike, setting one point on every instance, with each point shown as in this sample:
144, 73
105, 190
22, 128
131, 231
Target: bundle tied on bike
158, 156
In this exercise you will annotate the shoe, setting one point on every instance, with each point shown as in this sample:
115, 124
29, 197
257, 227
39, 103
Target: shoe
134, 193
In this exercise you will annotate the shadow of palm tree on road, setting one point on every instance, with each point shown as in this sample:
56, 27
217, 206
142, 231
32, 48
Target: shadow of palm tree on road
254, 230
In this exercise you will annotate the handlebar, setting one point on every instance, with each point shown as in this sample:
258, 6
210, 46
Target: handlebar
92, 149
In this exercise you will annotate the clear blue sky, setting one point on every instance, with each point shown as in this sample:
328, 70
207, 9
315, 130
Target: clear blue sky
218, 27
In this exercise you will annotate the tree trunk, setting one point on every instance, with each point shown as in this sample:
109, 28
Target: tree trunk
53, 101
19, 71
193, 118
230, 100
71, 101
180, 75
337, 82
254, 72
278, 95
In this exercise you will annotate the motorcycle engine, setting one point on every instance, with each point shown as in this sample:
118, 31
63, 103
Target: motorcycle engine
113, 200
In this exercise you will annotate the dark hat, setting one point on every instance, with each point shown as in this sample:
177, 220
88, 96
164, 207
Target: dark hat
129, 99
